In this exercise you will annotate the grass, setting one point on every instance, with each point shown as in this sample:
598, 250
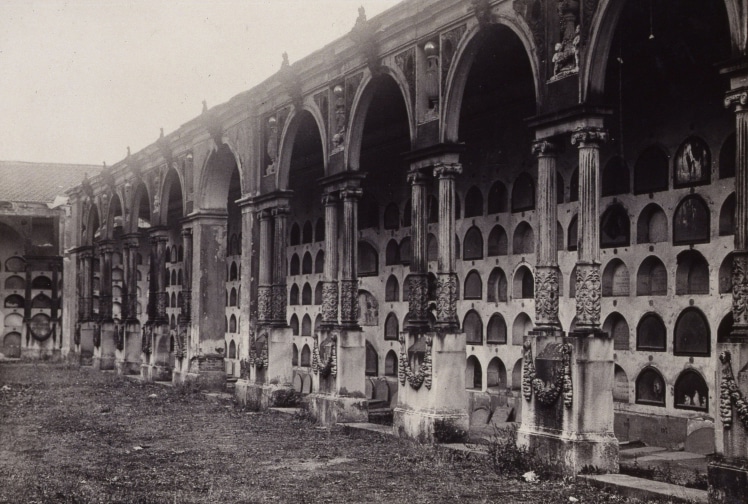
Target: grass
70, 435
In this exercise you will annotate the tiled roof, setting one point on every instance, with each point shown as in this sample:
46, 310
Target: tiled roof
40, 182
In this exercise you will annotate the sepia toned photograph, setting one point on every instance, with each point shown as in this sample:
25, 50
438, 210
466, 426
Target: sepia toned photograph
374, 251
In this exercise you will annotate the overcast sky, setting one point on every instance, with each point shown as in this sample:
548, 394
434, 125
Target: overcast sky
82, 80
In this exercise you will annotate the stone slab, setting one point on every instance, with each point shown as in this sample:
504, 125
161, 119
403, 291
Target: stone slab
381, 429
640, 451
670, 455
644, 489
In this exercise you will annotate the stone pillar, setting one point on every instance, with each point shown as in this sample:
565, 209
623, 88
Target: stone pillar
264, 289
185, 314
86, 269
280, 293
546, 268
418, 278
571, 419
132, 345
728, 471
157, 330
106, 250
588, 286
349, 274
330, 282
206, 349
446, 306
159, 240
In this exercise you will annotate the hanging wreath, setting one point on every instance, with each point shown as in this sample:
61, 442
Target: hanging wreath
424, 374
331, 366
260, 362
547, 394
730, 394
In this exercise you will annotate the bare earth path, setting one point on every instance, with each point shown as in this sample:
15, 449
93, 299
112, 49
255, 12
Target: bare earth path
77, 435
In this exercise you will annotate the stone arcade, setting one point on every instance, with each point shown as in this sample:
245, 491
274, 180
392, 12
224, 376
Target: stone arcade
477, 211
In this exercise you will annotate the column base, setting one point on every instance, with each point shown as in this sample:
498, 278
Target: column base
419, 424
572, 452
208, 372
728, 481
330, 409
259, 396
155, 372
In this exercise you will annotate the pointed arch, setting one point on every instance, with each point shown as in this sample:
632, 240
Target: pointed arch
289, 136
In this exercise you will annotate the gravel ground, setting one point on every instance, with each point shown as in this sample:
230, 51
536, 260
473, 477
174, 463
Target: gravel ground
71, 434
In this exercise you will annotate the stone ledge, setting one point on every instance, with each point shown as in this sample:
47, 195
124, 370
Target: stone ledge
645, 489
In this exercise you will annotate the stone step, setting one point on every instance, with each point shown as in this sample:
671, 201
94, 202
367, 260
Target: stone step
645, 489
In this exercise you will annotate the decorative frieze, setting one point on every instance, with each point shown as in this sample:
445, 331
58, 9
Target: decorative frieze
418, 298
349, 301
730, 395
264, 303
547, 395
446, 299
588, 294
546, 295
329, 302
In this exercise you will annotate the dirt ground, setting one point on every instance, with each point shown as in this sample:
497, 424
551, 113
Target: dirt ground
71, 434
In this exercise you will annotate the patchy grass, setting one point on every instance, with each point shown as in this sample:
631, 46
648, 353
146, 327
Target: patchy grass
73, 435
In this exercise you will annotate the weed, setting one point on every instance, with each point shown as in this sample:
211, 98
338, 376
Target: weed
286, 398
446, 431
510, 459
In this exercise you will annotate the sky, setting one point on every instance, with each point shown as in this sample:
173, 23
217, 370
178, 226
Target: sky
83, 80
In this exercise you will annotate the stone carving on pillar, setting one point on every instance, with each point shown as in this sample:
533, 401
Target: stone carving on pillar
547, 395
431, 80
566, 54
330, 368
588, 295
424, 374
546, 295
330, 302
446, 300
740, 288
264, 303
279, 303
349, 300
291, 83
338, 138
145, 343
730, 395
583, 136
418, 297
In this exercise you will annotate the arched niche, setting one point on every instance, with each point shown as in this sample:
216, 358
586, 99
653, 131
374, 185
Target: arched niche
615, 281
693, 163
523, 241
14, 301
390, 364
497, 286
651, 171
651, 227
727, 157
12, 345
618, 329
42, 282
368, 309
306, 325
368, 259
306, 356
473, 374
391, 327
392, 216
392, 253
523, 193
295, 359
692, 335
319, 262
307, 232
615, 177
620, 385
520, 328
295, 235
496, 330
306, 264
294, 265
293, 295
497, 198
472, 326
473, 202
318, 294
615, 227
651, 279
691, 274
691, 221
232, 323
523, 285
15, 282
294, 323
472, 244
41, 301
691, 391
392, 290
727, 216
473, 286
232, 298
306, 294
497, 242
372, 360
404, 251
724, 330
650, 387
432, 247
495, 375
725, 275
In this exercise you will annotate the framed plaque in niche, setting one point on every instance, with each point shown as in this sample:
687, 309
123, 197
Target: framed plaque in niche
693, 163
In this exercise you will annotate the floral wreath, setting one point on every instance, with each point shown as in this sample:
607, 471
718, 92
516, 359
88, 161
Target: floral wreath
424, 374
331, 366
547, 394
730, 394
261, 361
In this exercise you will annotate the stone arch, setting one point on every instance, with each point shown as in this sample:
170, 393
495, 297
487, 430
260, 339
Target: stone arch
215, 178
306, 294
651, 227
650, 387
523, 284
692, 335
725, 328
472, 326
172, 186
617, 328
306, 325
473, 286
306, 356
392, 253
360, 107
114, 210
473, 374
496, 331
390, 364
306, 264
691, 391
651, 279
616, 279
692, 273
691, 221
93, 222
495, 374
391, 327
521, 326
293, 296
464, 57
497, 286
497, 241
294, 323
651, 333
620, 385
523, 240
288, 138
294, 267
140, 207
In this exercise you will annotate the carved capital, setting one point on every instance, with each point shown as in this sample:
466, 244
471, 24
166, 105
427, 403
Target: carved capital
351, 193
330, 302
737, 99
546, 296
589, 291
545, 148
281, 210
418, 177
447, 170
589, 137
330, 199
446, 300
265, 214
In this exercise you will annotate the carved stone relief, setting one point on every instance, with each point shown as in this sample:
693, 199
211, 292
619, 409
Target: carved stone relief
588, 295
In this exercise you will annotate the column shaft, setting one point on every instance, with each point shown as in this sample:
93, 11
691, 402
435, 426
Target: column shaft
349, 274
264, 294
280, 217
418, 278
186, 308
130, 303
105, 285
330, 285
446, 306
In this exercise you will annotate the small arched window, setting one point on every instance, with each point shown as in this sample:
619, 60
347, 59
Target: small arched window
472, 244
523, 193
524, 285
725, 328
472, 326
651, 171
497, 198
692, 334
473, 203
41, 282
41, 301
233, 274
392, 290
615, 279
615, 227
232, 350
306, 325
15, 301
293, 296
306, 294
15, 282
390, 364
294, 323
473, 286
523, 241
691, 391
496, 331
650, 388
691, 221
497, 242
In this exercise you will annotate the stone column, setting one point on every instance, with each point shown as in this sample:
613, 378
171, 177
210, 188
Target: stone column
280, 293
185, 314
86, 304
264, 289
418, 278
130, 302
589, 289
159, 270
546, 268
446, 306
349, 274
727, 472
105, 281
330, 282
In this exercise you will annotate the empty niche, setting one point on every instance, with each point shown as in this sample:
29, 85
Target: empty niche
306, 264
294, 323
319, 262
523, 241
496, 331
521, 327
615, 179
15, 282
651, 171
727, 216
497, 198
725, 328
495, 374
473, 374
306, 325
390, 364
473, 203
620, 385
559, 236
692, 334
317, 322
372, 360
293, 296
14, 301
523, 193
523, 285
650, 387
651, 279
392, 289
295, 361
691, 221
497, 242
692, 273
318, 293
473, 244
615, 279
306, 294
306, 356
652, 225
497, 286
391, 327
368, 259
618, 329
473, 286
472, 326
517, 375
404, 251
392, 253
295, 265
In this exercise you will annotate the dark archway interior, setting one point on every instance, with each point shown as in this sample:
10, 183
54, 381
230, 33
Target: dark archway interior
306, 168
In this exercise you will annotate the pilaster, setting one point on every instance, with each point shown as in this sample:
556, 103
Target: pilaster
349, 274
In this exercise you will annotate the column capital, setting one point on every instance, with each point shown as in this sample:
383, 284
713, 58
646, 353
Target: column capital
264, 214
330, 198
589, 137
447, 170
546, 147
280, 210
131, 240
737, 99
186, 231
351, 193
418, 176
